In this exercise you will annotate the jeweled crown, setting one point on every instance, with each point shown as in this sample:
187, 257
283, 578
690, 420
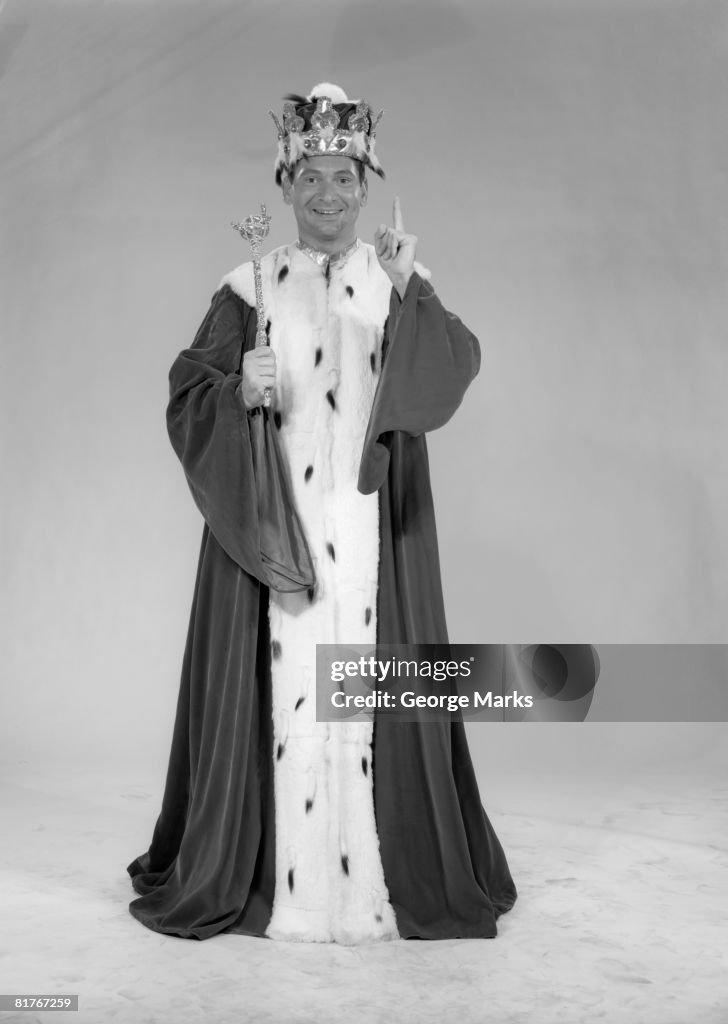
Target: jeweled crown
324, 123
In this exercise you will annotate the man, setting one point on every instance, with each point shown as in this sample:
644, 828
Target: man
273, 823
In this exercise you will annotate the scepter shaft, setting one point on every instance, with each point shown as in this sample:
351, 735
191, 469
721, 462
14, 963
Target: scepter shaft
261, 336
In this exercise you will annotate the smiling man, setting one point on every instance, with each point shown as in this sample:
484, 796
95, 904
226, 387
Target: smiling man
275, 824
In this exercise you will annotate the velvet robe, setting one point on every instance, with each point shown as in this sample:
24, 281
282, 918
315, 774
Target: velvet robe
211, 863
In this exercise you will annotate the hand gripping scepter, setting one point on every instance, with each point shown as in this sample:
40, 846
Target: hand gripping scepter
254, 229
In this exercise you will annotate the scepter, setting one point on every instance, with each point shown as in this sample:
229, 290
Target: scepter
254, 229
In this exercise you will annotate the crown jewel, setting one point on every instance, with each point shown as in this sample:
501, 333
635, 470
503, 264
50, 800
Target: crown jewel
325, 122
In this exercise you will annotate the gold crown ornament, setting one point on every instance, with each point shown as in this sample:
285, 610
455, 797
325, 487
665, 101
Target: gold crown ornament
325, 123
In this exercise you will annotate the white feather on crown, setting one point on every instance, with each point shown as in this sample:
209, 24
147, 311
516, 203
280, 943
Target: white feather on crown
334, 92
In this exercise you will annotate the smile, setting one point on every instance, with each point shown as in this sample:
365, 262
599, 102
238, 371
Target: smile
327, 213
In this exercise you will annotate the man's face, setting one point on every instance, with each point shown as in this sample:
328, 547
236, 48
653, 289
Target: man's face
326, 195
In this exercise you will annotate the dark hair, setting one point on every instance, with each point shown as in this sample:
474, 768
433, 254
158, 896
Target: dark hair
360, 166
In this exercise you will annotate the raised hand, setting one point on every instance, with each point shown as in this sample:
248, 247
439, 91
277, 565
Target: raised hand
395, 249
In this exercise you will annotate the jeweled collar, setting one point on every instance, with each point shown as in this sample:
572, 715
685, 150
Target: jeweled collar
325, 259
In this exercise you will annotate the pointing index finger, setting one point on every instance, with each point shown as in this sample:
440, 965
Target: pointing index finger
397, 215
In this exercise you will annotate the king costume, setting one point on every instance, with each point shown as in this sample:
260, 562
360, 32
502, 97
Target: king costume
273, 824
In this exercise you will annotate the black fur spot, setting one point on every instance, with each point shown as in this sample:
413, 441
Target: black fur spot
345, 864
275, 648
350, 291
367, 616
364, 765
373, 362
279, 752
299, 702
309, 805
330, 399
378, 917
277, 419
311, 593
290, 880
308, 474
267, 328
317, 360
331, 551
282, 274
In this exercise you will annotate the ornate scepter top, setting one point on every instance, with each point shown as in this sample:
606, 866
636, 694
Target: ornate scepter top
253, 229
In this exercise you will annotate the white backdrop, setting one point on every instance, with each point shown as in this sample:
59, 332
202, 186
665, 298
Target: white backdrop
564, 166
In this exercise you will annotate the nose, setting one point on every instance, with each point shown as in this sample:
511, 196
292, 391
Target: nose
327, 190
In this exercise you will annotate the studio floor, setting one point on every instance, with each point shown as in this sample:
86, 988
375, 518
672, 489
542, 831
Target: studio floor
621, 916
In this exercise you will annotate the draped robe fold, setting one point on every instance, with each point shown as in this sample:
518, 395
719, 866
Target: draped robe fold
211, 863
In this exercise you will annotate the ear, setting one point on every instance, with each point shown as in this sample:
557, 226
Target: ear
364, 192
287, 186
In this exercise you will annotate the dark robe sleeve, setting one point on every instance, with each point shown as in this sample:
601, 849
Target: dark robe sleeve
429, 358
207, 424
